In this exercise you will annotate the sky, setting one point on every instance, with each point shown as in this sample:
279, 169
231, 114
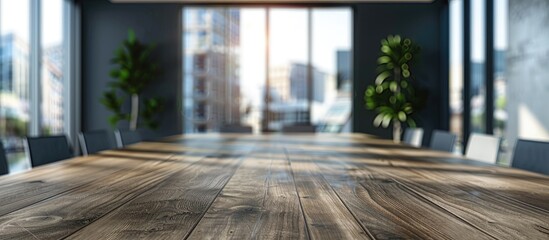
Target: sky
478, 28
15, 17
478, 25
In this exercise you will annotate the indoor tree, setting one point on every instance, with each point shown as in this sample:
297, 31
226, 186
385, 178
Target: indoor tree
393, 96
134, 72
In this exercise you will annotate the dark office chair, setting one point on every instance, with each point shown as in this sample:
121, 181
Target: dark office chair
413, 136
126, 137
95, 141
299, 129
531, 156
443, 141
3, 161
44, 150
235, 128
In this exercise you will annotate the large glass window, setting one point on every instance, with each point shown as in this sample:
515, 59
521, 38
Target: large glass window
52, 46
500, 79
456, 70
255, 67
331, 61
478, 66
16, 80
288, 69
224, 68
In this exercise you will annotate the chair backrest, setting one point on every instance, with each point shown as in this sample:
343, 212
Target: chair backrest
126, 137
484, 148
413, 136
44, 150
299, 129
235, 129
532, 156
443, 141
95, 141
3, 161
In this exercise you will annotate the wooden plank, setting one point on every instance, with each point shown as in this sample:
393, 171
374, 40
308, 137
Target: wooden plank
373, 215
386, 208
63, 214
520, 186
259, 202
169, 211
481, 207
325, 215
37, 173
66, 177
46, 181
52, 170
325, 186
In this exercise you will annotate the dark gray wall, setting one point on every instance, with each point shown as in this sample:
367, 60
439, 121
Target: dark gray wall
424, 24
104, 27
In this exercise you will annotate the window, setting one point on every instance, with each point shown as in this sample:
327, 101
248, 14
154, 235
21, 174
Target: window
20, 77
52, 48
15, 64
288, 68
478, 66
501, 37
295, 76
486, 79
332, 73
456, 70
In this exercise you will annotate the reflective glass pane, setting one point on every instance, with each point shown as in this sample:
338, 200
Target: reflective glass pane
477, 64
14, 80
52, 46
456, 70
501, 39
331, 62
288, 69
224, 68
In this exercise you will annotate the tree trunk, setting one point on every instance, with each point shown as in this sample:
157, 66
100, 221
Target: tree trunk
135, 112
397, 131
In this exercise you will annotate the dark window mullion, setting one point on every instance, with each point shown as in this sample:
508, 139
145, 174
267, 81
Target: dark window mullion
466, 71
489, 67
310, 83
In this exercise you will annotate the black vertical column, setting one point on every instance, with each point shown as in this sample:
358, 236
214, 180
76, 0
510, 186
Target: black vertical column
444, 122
310, 82
489, 67
466, 70
267, 114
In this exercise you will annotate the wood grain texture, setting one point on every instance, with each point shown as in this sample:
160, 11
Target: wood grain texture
260, 202
169, 211
303, 186
67, 177
326, 216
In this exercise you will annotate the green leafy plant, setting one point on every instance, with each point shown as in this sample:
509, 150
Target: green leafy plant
134, 72
393, 96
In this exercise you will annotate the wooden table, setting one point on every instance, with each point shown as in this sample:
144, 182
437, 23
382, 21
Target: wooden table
288, 187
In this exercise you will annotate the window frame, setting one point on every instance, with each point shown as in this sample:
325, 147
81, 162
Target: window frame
70, 70
267, 7
488, 74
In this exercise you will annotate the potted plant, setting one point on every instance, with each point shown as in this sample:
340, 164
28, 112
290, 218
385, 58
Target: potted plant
393, 96
134, 71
